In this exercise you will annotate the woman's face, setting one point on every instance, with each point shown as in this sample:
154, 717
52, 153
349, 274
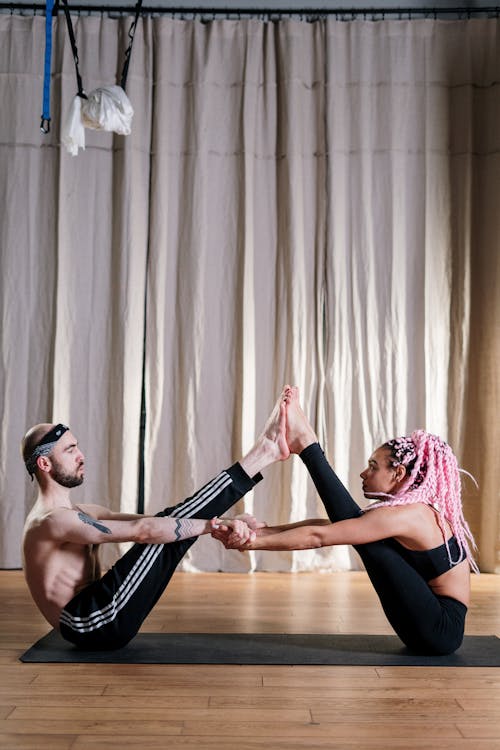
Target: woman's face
380, 475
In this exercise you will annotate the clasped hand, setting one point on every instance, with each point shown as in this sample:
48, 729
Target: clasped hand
236, 533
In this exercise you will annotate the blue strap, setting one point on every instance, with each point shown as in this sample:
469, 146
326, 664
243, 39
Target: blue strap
45, 123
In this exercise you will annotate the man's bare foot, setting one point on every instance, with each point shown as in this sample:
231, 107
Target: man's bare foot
271, 445
299, 433
274, 431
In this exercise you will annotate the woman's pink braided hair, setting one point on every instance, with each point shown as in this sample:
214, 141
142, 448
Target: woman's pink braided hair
433, 477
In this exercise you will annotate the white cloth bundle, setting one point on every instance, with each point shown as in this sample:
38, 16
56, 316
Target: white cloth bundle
106, 108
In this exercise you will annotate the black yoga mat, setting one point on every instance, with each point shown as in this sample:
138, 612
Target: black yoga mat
266, 648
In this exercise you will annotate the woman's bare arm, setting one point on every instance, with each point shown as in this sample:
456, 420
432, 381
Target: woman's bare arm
373, 526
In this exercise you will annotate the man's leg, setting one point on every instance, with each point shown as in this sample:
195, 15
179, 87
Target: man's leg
108, 613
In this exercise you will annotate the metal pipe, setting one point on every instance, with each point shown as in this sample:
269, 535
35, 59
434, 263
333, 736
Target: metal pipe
270, 14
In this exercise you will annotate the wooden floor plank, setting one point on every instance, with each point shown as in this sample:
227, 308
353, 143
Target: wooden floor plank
271, 742
165, 713
354, 730
37, 742
116, 728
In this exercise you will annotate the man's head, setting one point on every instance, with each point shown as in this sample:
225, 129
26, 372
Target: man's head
50, 450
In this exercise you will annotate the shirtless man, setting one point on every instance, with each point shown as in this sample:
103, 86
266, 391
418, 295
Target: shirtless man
61, 540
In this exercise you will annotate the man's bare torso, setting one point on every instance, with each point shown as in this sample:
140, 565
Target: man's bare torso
55, 572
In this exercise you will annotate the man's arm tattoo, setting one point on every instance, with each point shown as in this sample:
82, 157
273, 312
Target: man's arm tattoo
92, 522
183, 529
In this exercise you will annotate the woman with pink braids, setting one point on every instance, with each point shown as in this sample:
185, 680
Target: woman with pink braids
413, 540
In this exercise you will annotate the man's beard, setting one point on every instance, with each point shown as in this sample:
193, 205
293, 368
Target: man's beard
64, 479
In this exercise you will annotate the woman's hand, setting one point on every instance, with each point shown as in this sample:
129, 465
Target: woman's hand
233, 533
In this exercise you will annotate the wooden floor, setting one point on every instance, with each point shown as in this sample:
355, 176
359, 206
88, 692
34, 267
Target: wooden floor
241, 707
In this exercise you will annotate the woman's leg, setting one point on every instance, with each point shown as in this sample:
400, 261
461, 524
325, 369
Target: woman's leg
338, 503
303, 441
424, 622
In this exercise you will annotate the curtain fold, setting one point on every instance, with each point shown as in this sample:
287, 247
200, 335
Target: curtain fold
298, 202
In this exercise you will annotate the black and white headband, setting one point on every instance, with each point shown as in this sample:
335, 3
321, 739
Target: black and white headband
44, 447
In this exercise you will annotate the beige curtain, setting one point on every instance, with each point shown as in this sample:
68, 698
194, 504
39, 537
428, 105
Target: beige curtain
73, 241
304, 202
474, 176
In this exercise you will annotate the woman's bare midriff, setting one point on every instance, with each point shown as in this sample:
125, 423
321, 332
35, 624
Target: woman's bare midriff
455, 583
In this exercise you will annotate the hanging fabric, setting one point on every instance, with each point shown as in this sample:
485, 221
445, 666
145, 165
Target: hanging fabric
105, 108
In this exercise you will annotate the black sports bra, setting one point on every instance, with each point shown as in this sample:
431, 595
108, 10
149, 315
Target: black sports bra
431, 563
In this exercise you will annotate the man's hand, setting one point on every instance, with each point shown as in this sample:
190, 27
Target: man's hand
233, 533
251, 521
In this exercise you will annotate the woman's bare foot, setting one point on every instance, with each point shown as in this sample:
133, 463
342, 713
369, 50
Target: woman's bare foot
271, 445
299, 433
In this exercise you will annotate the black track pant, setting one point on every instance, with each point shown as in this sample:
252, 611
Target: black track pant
425, 622
108, 613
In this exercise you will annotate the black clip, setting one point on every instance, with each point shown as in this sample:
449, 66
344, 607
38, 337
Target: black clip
45, 125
